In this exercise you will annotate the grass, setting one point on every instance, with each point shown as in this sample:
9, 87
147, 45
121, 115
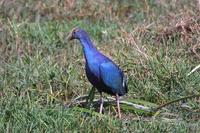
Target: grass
155, 42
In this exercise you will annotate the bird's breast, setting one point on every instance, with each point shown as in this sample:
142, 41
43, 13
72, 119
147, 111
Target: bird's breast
92, 73
92, 68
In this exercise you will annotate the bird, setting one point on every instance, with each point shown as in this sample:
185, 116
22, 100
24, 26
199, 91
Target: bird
101, 71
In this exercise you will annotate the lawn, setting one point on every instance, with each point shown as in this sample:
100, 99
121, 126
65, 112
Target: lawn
155, 42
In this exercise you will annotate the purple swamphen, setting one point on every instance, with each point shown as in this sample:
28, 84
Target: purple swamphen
101, 71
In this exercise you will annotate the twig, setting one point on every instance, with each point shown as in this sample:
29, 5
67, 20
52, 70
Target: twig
108, 100
138, 49
176, 100
137, 106
193, 70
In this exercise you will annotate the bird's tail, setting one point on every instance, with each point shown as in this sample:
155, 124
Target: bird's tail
124, 89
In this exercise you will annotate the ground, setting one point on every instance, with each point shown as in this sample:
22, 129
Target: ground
155, 42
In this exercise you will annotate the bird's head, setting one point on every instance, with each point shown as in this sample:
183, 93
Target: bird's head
76, 33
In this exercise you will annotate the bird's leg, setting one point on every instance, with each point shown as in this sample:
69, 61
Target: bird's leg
118, 107
101, 103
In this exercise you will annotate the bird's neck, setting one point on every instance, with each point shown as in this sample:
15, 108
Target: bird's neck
87, 43
88, 48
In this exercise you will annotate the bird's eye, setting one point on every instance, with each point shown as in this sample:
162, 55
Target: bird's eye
74, 33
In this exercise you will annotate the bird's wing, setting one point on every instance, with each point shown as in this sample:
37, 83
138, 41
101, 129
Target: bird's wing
112, 76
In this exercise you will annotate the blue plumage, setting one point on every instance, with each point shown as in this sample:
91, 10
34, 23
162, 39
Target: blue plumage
102, 72
113, 79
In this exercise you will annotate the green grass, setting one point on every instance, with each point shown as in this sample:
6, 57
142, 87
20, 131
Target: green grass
41, 71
